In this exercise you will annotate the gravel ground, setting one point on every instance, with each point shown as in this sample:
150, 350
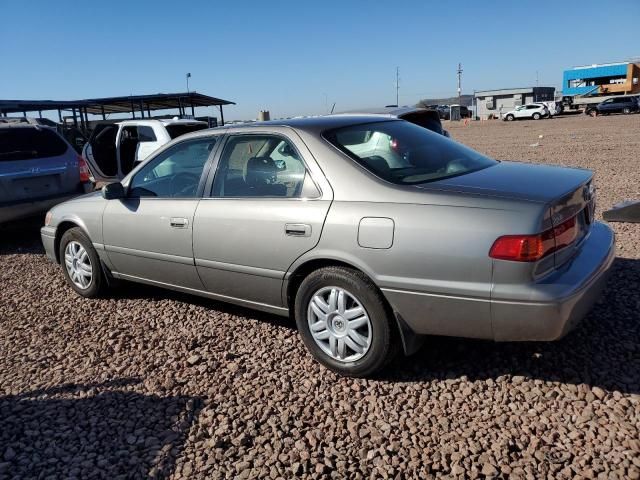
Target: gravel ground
151, 382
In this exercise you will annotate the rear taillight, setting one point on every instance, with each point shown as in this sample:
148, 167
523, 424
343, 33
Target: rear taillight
83, 168
530, 248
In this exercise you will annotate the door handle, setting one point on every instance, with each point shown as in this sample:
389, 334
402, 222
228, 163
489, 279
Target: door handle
178, 222
297, 229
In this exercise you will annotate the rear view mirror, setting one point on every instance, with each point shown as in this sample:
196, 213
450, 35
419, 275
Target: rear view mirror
113, 191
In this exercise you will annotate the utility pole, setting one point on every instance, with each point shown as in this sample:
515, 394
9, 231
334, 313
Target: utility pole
460, 84
397, 86
188, 77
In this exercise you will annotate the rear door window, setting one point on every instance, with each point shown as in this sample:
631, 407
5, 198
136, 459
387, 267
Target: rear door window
262, 166
30, 143
178, 129
146, 134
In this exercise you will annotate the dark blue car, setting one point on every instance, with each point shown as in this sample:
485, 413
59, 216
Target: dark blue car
615, 105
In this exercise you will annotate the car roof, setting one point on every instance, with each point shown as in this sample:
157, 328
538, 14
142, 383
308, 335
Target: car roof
317, 123
163, 121
26, 125
389, 111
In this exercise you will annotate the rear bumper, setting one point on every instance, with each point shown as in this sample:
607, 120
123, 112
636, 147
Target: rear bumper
29, 208
549, 308
540, 311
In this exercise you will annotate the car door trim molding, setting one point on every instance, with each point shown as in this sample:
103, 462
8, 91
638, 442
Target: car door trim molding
215, 296
245, 269
151, 255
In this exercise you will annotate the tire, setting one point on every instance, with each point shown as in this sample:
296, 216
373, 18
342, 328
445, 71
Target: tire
73, 246
510, 118
373, 324
626, 110
593, 113
536, 116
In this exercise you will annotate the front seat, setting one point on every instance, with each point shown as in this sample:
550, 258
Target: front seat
260, 176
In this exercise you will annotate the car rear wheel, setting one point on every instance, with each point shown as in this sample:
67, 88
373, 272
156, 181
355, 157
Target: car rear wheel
80, 264
344, 322
536, 116
510, 118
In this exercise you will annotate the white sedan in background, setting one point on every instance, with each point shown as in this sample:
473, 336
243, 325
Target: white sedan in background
533, 111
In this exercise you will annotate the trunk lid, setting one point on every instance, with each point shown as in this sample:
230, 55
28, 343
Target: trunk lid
567, 195
518, 181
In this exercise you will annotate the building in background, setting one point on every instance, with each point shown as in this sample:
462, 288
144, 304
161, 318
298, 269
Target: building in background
606, 79
591, 84
491, 103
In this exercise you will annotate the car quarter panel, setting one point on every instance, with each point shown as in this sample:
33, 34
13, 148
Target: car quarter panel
85, 212
437, 272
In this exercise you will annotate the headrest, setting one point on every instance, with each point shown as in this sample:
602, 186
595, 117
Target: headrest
260, 171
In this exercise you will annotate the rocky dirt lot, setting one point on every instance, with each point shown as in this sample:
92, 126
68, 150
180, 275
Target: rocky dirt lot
153, 383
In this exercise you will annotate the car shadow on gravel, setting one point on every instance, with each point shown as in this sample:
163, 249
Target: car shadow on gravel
603, 350
133, 291
21, 236
77, 431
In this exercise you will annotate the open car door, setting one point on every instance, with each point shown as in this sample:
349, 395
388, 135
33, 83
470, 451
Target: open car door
101, 152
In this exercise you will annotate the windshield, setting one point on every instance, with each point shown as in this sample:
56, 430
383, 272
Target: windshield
178, 129
403, 153
29, 143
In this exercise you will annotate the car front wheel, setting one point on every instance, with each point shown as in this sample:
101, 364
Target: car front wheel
510, 118
626, 110
344, 322
80, 263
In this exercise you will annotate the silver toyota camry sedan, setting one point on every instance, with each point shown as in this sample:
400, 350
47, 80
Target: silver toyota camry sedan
370, 231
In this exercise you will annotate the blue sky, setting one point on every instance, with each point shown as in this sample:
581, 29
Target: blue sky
298, 57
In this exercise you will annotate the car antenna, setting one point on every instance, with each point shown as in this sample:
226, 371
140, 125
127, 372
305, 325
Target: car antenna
334, 106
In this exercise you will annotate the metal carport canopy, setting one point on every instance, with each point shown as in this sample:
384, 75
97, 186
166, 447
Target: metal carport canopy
124, 104
159, 101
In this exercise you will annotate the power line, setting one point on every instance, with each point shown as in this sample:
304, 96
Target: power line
459, 83
397, 86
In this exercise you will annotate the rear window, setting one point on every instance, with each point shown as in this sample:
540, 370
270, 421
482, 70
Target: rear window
30, 143
181, 128
406, 154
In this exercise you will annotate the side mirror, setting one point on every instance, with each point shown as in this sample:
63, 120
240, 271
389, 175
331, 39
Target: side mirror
113, 191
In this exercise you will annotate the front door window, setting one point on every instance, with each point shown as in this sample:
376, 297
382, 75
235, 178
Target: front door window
175, 173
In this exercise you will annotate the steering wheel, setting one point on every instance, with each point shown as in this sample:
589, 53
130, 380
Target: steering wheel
184, 184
